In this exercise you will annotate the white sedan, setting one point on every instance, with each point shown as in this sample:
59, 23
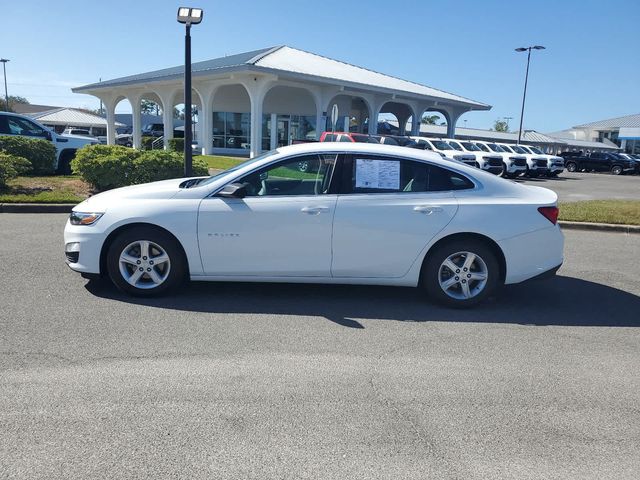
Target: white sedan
360, 214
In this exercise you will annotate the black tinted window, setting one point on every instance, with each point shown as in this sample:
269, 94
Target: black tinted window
392, 175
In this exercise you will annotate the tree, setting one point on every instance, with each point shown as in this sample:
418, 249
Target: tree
147, 107
13, 100
430, 119
500, 126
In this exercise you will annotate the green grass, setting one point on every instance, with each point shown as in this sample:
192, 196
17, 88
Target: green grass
53, 189
222, 163
626, 212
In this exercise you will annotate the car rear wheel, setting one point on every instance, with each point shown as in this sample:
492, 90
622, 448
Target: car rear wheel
616, 170
461, 274
571, 167
145, 262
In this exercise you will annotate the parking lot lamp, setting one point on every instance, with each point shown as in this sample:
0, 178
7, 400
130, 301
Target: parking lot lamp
6, 94
526, 78
188, 16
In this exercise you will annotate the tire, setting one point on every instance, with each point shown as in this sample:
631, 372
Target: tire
436, 274
505, 173
616, 170
167, 274
64, 163
571, 167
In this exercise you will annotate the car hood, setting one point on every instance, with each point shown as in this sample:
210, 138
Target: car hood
79, 137
163, 189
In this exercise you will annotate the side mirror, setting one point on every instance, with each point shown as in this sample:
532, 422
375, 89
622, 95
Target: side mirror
233, 190
47, 135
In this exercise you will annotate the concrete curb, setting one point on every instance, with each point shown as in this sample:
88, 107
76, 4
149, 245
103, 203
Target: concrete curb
36, 207
599, 227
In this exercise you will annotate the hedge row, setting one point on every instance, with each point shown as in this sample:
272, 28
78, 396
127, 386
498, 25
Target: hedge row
112, 166
11, 166
41, 154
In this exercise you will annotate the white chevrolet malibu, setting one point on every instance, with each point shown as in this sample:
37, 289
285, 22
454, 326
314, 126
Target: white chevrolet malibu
359, 214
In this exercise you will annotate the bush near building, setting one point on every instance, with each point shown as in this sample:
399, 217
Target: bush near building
146, 141
12, 166
40, 153
112, 166
176, 144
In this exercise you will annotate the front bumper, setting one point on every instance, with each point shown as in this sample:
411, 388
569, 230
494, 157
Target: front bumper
82, 246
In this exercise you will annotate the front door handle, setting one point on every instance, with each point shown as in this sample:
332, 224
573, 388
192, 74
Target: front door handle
427, 209
314, 210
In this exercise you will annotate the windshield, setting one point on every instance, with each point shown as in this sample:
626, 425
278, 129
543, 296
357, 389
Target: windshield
456, 145
507, 148
472, 147
535, 150
440, 145
495, 147
483, 147
518, 149
237, 167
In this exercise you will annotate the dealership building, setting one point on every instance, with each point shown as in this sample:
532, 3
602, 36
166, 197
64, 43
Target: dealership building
622, 132
271, 97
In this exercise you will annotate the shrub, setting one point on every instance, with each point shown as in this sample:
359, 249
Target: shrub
12, 166
146, 141
110, 166
176, 144
105, 166
40, 153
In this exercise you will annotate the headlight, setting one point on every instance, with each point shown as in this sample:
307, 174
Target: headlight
79, 218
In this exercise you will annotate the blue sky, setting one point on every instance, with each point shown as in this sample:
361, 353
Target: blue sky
589, 71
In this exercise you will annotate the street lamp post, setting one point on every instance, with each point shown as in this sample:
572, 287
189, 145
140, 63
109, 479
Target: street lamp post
6, 94
526, 78
188, 16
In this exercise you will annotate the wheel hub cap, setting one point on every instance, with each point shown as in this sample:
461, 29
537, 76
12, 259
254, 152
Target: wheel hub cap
463, 275
144, 264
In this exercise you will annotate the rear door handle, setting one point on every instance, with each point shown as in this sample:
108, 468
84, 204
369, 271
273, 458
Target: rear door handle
314, 210
427, 209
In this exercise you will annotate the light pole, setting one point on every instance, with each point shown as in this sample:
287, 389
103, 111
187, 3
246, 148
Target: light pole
6, 94
188, 16
507, 120
526, 78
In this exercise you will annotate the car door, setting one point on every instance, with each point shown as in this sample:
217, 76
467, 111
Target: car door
282, 227
388, 211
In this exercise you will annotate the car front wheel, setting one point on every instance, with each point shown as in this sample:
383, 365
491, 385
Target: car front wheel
616, 170
145, 262
571, 167
461, 274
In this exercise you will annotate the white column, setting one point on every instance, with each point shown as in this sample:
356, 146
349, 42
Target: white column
347, 123
321, 123
110, 110
136, 122
402, 125
274, 131
256, 123
373, 121
206, 117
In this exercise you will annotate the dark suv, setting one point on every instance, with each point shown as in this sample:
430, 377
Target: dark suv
598, 162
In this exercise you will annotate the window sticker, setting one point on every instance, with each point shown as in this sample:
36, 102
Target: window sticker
382, 174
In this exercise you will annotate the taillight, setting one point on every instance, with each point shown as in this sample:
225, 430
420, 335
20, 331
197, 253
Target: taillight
550, 213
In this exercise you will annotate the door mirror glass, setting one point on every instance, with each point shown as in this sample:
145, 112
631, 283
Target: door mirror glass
233, 190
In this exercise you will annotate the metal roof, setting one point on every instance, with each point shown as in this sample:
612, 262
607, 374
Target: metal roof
285, 60
626, 121
72, 117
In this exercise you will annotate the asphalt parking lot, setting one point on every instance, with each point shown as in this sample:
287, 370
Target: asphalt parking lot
578, 186
255, 381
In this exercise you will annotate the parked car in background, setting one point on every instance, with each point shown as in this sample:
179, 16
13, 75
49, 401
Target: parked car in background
349, 137
153, 130
598, 162
124, 139
371, 214
537, 165
83, 132
555, 164
485, 161
13, 124
513, 165
446, 151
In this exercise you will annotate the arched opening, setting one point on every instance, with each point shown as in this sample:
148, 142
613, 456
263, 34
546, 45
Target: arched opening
231, 123
179, 120
289, 116
434, 123
123, 122
393, 118
353, 114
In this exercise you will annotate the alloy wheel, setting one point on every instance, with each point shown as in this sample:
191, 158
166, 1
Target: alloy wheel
463, 275
144, 264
